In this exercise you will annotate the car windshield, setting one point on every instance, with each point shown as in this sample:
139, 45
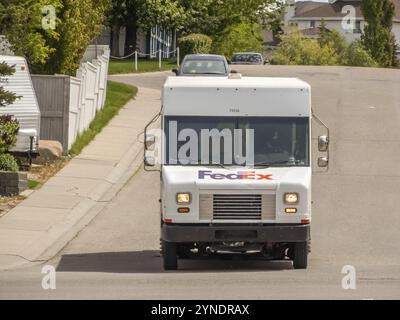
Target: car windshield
246, 58
264, 141
203, 67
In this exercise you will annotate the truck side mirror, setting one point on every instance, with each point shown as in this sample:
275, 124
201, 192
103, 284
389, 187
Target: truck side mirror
176, 71
323, 143
149, 142
323, 162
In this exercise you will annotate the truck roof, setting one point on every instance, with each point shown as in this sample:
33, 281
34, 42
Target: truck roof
243, 82
246, 96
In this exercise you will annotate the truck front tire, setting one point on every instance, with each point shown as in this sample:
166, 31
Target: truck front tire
170, 257
300, 255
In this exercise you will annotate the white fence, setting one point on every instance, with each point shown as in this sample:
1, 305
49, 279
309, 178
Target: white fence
159, 53
74, 103
87, 93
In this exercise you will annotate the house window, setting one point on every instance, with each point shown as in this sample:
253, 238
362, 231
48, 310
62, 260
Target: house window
312, 24
357, 28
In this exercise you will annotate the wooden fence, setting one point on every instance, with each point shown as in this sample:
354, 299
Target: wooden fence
69, 104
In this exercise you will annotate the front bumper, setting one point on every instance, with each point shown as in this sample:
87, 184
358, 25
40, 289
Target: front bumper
252, 234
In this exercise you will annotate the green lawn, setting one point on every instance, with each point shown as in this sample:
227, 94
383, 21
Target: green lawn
144, 65
118, 94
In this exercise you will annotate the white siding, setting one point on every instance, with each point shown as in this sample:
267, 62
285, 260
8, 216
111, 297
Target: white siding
25, 109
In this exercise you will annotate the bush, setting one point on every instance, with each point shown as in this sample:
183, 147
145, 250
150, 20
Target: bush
333, 39
195, 43
8, 163
9, 128
239, 38
356, 55
296, 49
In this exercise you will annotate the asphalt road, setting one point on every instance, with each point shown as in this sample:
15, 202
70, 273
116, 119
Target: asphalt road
356, 216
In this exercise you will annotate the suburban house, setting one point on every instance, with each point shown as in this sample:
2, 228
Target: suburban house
149, 43
344, 16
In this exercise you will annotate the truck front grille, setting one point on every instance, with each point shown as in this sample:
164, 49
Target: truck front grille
237, 206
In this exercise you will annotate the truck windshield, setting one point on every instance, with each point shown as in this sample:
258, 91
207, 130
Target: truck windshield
266, 141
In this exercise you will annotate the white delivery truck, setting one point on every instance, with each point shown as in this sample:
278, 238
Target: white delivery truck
234, 156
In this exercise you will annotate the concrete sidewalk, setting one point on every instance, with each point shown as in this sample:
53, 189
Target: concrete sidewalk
43, 224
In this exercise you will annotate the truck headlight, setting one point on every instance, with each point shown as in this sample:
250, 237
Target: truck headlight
183, 198
291, 198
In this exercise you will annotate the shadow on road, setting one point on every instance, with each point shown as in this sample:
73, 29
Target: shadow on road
151, 262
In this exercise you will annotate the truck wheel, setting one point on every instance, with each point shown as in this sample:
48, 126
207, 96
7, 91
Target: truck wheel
300, 255
170, 257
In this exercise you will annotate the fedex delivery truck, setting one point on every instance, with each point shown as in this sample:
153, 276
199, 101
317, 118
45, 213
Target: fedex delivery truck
234, 156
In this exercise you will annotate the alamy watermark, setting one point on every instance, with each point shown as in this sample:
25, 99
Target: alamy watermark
189, 146
50, 17
349, 280
49, 278
350, 18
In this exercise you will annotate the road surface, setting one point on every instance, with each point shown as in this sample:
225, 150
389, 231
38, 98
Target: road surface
356, 215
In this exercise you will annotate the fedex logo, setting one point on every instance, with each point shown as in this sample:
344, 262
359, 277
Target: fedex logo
243, 175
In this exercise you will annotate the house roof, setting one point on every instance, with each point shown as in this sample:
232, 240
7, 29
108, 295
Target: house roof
309, 9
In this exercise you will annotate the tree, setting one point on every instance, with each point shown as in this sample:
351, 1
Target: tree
296, 49
9, 126
239, 37
137, 15
332, 38
209, 17
22, 24
82, 22
52, 50
6, 97
212, 17
357, 56
377, 36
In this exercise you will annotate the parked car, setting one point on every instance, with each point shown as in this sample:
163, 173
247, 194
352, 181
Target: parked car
248, 58
203, 65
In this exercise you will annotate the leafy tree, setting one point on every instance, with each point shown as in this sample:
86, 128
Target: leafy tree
21, 22
332, 38
142, 14
48, 50
240, 37
296, 49
212, 17
82, 22
9, 126
6, 97
377, 36
209, 17
356, 55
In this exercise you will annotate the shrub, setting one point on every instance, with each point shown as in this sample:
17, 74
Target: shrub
356, 55
239, 38
9, 128
296, 49
333, 39
195, 43
8, 163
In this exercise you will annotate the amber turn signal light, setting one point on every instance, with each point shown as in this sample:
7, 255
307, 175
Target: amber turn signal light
183, 210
